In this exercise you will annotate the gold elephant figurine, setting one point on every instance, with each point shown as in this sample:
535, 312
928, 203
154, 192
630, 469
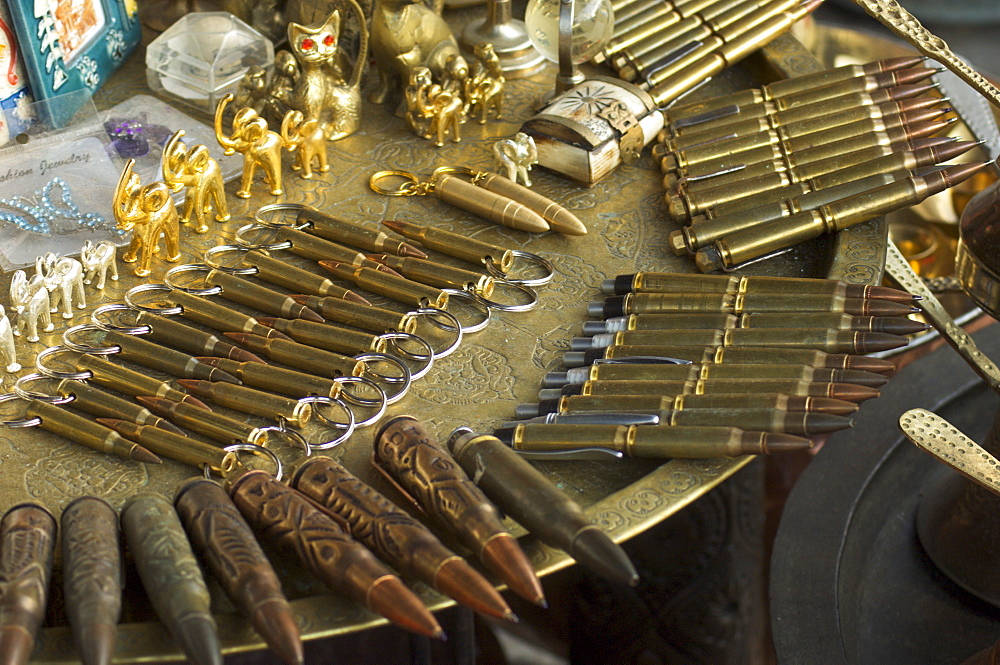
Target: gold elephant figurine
308, 139
432, 110
149, 212
195, 169
259, 146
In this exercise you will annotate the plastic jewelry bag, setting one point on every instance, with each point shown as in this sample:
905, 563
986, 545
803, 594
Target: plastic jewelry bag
56, 187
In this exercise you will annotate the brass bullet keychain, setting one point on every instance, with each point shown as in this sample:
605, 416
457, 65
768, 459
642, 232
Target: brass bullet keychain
507, 204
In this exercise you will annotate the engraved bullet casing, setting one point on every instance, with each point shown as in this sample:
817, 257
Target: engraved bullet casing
92, 576
170, 574
27, 542
225, 542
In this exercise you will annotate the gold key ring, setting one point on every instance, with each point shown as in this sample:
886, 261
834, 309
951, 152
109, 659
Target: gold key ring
411, 186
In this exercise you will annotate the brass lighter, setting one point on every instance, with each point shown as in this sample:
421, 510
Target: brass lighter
170, 575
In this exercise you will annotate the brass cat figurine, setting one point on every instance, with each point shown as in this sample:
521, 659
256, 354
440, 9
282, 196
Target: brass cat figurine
312, 78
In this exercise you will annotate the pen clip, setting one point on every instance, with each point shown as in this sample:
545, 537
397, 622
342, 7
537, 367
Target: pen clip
724, 112
597, 454
642, 360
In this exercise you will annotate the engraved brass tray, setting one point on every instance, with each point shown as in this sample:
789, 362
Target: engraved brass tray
478, 385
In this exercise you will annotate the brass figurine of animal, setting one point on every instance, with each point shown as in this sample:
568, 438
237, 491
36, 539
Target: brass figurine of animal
307, 139
149, 212
406, 34
195, 169
312, 77
432, 110
484, 87
515, 157
259, 146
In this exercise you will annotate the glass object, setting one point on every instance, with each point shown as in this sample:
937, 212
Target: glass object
202, 57
593, 22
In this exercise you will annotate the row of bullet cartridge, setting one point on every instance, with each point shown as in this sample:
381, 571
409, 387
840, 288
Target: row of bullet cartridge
263, 366
338, 527
688, 365
758, 171
669, 48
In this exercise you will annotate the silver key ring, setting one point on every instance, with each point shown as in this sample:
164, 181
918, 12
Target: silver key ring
86, 348
80, 375
221, 249
432, 314
427, 359
379, 404
348, 427
492, 267
257, 450
34, 421
476, 303
143, 288
26, 394
522, 307
406, 379
278, 207
190, 267
118, 307
240, 237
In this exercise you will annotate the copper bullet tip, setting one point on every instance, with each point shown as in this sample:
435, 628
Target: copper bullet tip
140, 454
307, 314
406, 249
852, 392
461, 582
777, 442
507, 560
15, 646
276, 624
354, 297
914, 75
392, 599
394, 225
869, 364
830, 405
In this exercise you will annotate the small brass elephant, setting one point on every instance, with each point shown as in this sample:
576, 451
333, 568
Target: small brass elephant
259, 146
432, 110
307, 139
149, 212
195, 169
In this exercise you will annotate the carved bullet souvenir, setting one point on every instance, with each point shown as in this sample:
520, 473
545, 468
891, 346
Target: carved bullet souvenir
226, 543
411, 454
92, 577
171, 576
288, 519
396, 537
27, 540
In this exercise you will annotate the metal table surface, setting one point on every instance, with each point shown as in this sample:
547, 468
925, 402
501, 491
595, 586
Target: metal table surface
478, 385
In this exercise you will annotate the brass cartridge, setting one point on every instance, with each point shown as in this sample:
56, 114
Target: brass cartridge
171, 576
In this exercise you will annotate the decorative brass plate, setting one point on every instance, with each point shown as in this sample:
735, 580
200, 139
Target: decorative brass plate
477, 386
